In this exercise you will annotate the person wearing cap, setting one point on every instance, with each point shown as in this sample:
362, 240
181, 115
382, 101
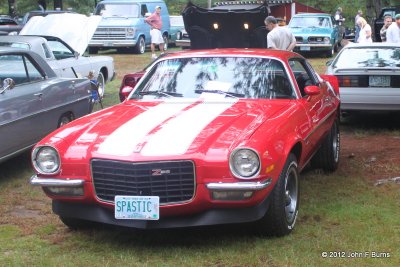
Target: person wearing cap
155, 22
279, 37
393, 32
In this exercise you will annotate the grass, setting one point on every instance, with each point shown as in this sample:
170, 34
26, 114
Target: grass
340, 212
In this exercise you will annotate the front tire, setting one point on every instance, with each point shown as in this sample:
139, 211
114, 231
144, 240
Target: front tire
331, 52
140, 46
284, 202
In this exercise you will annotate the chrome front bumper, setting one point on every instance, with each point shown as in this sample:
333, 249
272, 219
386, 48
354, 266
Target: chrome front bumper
240, 186
35, 180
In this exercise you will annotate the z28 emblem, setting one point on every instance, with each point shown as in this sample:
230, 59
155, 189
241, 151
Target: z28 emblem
158, 172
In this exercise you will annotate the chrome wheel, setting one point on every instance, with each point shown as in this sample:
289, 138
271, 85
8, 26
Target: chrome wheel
101, 84
291, 194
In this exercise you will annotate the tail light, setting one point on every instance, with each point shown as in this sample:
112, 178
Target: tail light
353, 81
128, 83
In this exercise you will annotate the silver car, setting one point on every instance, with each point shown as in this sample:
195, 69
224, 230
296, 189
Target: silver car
56, 38
34, 101
369, 76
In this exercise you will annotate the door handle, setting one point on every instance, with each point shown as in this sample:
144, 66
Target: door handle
38, 94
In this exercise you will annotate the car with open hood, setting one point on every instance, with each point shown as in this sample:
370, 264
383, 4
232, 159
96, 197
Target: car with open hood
205, 137
368, 76
34, 101
63, 47
315, 32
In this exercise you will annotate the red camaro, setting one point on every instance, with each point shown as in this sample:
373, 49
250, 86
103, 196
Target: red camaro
205, 137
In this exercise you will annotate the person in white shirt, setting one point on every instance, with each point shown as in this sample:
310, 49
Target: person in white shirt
393, 32
365, 32
279, 37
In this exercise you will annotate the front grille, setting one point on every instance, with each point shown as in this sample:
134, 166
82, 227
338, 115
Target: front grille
109, 34
172, 181
316, 40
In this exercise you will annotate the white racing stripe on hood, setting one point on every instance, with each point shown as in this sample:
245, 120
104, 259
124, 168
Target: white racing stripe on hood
124, 140
178, 134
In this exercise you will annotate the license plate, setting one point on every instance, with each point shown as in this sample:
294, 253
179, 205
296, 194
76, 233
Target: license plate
379, 81
137, 207
305, 48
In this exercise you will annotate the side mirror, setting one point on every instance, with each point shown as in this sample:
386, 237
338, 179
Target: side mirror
147, 14
76, 54
8, 84
312, 90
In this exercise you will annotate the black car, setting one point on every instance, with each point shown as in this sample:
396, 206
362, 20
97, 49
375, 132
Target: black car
378, 24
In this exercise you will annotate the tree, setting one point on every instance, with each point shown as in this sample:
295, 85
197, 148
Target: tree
12, 11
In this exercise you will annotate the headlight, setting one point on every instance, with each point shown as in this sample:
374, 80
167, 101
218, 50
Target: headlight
244, 163
46, 160
130, 32
327, 40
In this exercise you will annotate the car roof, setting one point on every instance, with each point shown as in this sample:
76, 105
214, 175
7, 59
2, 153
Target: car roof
377, 44
235, 52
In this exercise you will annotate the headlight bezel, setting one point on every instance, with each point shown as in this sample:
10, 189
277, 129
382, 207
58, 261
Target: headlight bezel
234, 170
37, 166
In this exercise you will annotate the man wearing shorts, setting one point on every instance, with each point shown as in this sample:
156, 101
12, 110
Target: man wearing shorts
155, 22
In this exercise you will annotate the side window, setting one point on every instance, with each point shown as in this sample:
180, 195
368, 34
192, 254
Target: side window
46, 50
60, 51
18, 68
143, 10
304, 76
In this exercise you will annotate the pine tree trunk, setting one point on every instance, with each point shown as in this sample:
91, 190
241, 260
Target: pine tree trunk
11, 8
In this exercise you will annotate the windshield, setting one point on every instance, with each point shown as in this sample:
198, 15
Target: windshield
368, 57
242, 77
118, 10
176, 21
306, 22
16, 45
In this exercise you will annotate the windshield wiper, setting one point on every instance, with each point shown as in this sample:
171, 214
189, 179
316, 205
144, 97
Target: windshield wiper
161, 93
230, 94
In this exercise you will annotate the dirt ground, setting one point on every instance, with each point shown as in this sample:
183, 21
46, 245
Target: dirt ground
370, 145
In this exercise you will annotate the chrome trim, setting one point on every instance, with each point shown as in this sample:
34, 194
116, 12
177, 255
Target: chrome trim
254, 186
237, 175
68, 182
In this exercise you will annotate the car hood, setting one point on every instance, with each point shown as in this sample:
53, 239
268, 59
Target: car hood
74, 29
173, 128
231, 26
311, 31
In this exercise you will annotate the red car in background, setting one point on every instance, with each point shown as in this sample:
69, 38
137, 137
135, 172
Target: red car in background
205, 137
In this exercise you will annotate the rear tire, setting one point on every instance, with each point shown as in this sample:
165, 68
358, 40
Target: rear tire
284, 202
328, 154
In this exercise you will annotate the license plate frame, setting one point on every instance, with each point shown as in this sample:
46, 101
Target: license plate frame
305, 48
379, 81
137, 207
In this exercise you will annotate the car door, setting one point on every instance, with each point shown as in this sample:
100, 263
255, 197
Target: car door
316, 107
69, 63
20, 107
